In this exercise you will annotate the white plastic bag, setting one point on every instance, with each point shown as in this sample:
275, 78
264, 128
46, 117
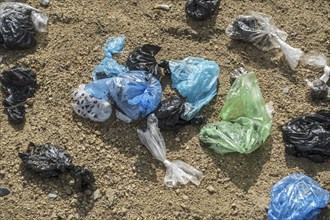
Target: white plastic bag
260, 30
319, 88
176, 171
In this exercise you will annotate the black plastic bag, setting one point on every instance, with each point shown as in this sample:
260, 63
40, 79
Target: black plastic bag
309, 136
48, 160
200, 9
19, 84
143, 58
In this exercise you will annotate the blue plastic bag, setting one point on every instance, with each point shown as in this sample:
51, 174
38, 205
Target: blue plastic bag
108, 66
196, 79
135, 94
297, 197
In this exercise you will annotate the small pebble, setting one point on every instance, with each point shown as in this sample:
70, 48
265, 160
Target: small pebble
177, 139
96, 194
44, 3
52, 196
210, 189
286, 90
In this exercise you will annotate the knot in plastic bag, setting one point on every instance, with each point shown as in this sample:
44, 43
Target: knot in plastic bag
200, 9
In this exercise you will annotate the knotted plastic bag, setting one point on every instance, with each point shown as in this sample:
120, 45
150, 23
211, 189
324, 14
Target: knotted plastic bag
260, 30
319, 88
143, 58
48, 160
19, 24
200, 9
19, 84
196, 79
108, 66
309, 136
246, 122
297, 197
176, 171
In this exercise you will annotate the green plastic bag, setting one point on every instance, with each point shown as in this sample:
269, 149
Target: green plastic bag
246, 122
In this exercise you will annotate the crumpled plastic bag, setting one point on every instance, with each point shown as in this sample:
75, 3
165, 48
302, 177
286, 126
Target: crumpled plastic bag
196, 79
200, 9
176, 171
48, 160
108, 66
318, 88
309, 136
134, 93
19, 24
19, 84
297, 197
260, 30
143, 58
246, 122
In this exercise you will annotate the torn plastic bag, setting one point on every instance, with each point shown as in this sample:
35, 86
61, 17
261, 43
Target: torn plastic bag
297, 197
176, 171
19, 84
87, 106
319, 88
143, 58
19, 24
169, 111
260, 30
196, 79
246, 122
200, 9
309, 136
135, 94
108, 66
48, 160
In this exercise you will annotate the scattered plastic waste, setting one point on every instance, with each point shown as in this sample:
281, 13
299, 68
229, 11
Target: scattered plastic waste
260, 30
108, 66
19, 24
48, 160
176, 171
319, 88
143, 58
246, 122
135, 93
236, 73
196, 79
162, 6
200, 9
4, 191
19, 84
297, 197
309, 136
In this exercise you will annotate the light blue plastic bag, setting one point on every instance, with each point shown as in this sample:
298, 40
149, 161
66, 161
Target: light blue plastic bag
136, 94
108, 66
196, 79
297, 197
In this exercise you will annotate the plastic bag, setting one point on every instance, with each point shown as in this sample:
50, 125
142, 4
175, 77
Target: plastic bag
49, 160
108, 66
260, 30
18, 25
19, 84
135, 94
246, 122
196, 79
176, 171
319, 88
200, 9
297, 197
4, 191
143, 58
309, 136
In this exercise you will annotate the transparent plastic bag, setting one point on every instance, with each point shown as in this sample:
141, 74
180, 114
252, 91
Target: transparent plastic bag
260, 30
297, 197
19, 23
108, 66
196, 79
176, 171
246, 121
319, 88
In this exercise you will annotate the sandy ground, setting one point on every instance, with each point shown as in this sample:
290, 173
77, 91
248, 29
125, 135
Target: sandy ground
128, 180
